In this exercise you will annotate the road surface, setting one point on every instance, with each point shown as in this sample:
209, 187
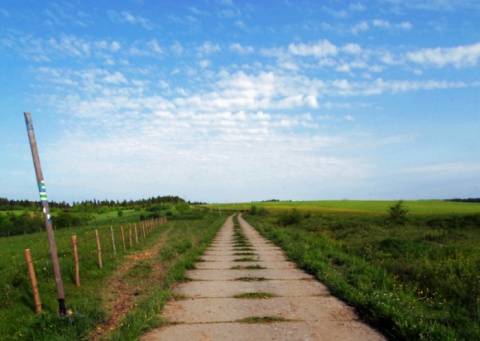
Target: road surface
255, 294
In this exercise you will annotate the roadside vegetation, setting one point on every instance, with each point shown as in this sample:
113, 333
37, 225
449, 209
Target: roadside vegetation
413, 276
149, 267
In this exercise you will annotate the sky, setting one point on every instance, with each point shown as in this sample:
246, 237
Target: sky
239, 101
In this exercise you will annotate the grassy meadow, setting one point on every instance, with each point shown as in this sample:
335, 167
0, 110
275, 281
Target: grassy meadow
413, 279
181, 241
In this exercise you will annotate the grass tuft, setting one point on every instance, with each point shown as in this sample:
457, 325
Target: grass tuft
248, 267
245, 259
263, 319
251, 279
255, 295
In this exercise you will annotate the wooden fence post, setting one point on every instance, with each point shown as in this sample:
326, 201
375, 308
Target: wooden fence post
143, 230
123, 239
136, 233
130, 232
99, 250
113, 240
33, 280
75, 258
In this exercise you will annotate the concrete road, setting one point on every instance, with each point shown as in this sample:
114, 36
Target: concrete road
213, 305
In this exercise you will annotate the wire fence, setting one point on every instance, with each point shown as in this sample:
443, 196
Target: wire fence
94, 247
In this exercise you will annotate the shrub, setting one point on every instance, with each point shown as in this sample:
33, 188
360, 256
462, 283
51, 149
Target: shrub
289, 217
398, 212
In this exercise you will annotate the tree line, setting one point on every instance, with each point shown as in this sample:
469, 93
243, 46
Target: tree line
25, 216
476, 200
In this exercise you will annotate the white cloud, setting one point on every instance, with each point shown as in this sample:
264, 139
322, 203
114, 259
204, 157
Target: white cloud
209, 48
352, 48
236, 47
357, 7
240, 24
405, 25
319, 49
115, 46
177, 48
154, 46
436, 5
4, 13
226, 2
128, 17
204, 63
381, 23
459, 56
115, 78
360, 27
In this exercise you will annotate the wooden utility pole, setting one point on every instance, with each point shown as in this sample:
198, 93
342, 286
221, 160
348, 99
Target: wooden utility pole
46, 212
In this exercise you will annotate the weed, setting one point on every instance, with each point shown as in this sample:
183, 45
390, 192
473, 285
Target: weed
255, 295
245, 259
244, 249
251, 279
263, 319
248, 267
244, 254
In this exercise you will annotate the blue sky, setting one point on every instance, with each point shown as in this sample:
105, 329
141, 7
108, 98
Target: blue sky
229, 101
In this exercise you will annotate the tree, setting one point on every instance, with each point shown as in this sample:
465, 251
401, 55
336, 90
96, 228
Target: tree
398, 212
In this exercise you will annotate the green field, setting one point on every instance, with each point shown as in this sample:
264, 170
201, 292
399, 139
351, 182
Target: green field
420, 207
183, 237
416, 278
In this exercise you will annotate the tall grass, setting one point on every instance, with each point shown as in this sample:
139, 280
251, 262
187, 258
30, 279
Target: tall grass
416, 281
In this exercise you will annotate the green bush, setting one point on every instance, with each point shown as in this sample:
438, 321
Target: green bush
291, 217
398, 212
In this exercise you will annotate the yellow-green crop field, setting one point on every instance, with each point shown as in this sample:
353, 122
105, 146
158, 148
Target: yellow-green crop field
376, 207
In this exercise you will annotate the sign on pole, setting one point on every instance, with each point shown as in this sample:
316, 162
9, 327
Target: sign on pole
46, 212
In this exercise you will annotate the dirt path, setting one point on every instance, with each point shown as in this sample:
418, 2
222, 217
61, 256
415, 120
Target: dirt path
241, 293
120, 293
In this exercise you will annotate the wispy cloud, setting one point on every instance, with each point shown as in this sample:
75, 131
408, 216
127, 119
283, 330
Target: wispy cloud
208, 48
128, 17
60, 47
435, 5
459, 56
380, 24
236, 47
319, 49
4, 13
